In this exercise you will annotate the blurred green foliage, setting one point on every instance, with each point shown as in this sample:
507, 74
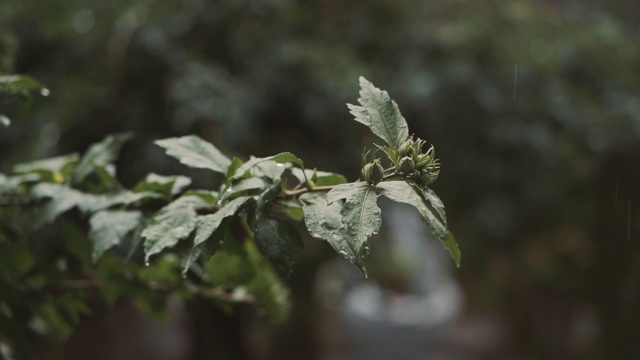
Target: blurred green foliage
534, 108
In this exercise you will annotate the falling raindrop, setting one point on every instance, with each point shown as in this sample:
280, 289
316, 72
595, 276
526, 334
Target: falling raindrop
45, 92
146, 263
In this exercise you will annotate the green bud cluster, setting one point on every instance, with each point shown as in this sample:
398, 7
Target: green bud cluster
412, 163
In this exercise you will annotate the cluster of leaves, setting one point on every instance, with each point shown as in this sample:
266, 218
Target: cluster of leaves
18, 87
233, 242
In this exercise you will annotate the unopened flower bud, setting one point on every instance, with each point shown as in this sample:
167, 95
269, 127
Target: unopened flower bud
373, 172
406, 165
428, 177
423, 160
405, 147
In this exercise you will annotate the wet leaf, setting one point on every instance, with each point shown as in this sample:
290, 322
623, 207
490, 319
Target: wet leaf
282, 158
100, 155
380, 114
62, 198
195, 152
324, 222
322, 178
165, 185
401, 191
207, 224
172, 224
56, 169
360, 213
109, 228
279, 242
437, 204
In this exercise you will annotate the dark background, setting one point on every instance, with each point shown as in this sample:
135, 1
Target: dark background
533, 108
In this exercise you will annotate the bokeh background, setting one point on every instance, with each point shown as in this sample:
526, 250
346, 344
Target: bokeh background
533, 108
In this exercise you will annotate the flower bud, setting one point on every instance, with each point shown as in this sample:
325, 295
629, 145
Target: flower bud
406, 165
373, 172
423, 160
428, 177
405, 148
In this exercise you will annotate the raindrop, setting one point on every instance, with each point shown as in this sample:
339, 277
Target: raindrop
146, 263
45, 92
342, 252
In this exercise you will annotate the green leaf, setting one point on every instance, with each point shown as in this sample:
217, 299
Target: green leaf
322, 178
55, 169
207, 224
324, 222
173, 223
194, 200
242, 269
109, 228
100, 155
270, 292
242, 187
13, 84
107, 176
268, 195
208, 196
278, 241
229, 269
401, 191
437, 204
10, 184
165, 185
360, 217
195, 152
95, 203
380, 114
63, 198
271, 170
4, 121
282, 158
